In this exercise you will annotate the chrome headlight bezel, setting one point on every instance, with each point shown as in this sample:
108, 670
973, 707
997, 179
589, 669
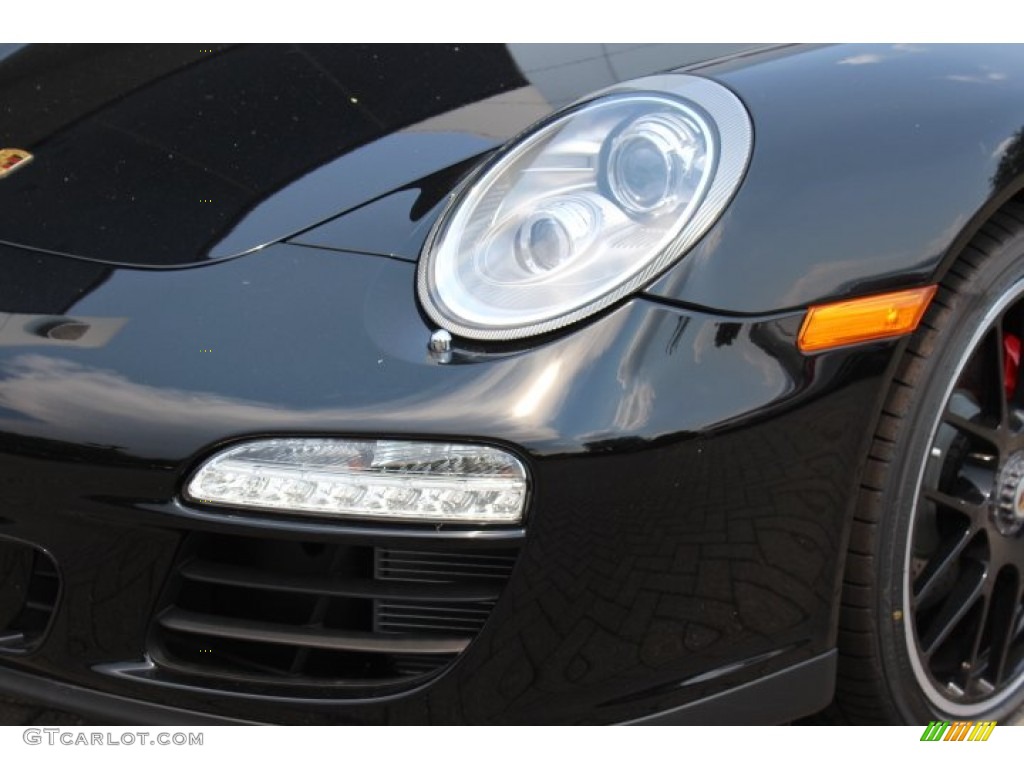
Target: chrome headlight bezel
729, 134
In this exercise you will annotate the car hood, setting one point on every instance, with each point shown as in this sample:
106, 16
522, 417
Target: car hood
175, 155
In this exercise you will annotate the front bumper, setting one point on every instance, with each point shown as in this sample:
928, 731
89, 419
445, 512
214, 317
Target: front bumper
692, 477
798, 690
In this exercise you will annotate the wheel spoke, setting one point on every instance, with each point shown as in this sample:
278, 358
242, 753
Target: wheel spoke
956, 606
973, 667
940, 566
971, 509
1003, 629
1018, 625
988, 435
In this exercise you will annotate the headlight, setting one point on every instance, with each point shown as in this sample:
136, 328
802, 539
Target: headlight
586, 208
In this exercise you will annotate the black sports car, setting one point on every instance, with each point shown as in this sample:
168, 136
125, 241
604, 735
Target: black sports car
512, 384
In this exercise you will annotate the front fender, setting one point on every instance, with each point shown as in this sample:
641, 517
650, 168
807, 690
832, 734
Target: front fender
872, 167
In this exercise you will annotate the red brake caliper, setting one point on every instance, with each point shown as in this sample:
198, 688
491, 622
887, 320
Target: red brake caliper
1011, 362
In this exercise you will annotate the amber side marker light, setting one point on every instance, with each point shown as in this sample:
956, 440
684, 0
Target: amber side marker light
866, 319
13, 159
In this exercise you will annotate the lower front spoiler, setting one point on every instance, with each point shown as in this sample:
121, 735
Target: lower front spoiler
791, 693
780, 697
105, 707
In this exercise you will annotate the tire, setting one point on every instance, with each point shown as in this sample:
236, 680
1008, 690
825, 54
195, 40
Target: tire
931, 624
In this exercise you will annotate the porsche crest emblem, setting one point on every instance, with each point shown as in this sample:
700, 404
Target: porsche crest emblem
13, 159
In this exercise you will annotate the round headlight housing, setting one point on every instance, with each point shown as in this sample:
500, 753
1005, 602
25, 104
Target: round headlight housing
657, 163
585, 208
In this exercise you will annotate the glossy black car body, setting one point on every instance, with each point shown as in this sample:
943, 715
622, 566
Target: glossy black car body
211, 246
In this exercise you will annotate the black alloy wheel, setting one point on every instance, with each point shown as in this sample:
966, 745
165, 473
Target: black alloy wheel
966, 556
932, 622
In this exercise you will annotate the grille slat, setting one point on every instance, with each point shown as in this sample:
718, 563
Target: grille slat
215, 573
445, 557
348, 616
305, 637
391, 618
431, 567
426, 610
417, 665
413, 574
400, 626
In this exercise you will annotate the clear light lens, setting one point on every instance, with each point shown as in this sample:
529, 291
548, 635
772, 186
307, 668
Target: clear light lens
376, 479
557, 232
657, 163
585, 209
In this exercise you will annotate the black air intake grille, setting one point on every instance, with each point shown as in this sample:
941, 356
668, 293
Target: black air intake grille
250, 610
395, 616
413, 565
29, 587
488, 571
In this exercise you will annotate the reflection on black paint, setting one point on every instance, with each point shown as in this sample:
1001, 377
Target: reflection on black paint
123, 183
726, 334
36, 283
